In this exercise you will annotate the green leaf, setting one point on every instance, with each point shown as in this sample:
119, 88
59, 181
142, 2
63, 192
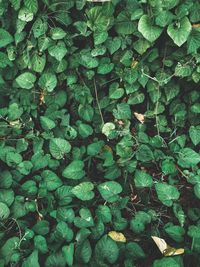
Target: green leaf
97, 19
197, 190
5, 38
179, 31
168, 167
100, 37
195, 108
18, 208
15, 4
84, 251
13, 158
106, 250
115, 92
4, 61
46, 123
141, 46
51, 180
58, 51
57, 33
148, 30
130, 75
194, 231
25, 167
136, 98
104, 213
175, 232
113, 44
65, 214
84, 191
74, 170
4, 211
134, 251
95, 148
38, 63
68, 254
188, 157
63, 194
5, 180
179, 213
144, 153
39, 28
183, 71
105, 66
110, 190
85, 219
55, 259
98, 230
88, 61
40, 244
123, 23
25, 14
164, 18
166, 261
59, 147
86, 112
48, 81
167, 193
85, 130
26, 80
123, 111
193, 41
142, 179
63, 232
108, 128
32, 5
14, 112
32, 260
41, 227
194, 133
8, 249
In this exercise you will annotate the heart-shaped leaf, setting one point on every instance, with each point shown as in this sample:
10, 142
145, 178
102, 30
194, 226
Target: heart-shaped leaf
110, 190
150, 31
59, 147
83, 191
180, 31
74, 170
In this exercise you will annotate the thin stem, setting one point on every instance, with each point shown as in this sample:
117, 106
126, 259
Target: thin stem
20, 232
97, 100
114, 79
192, 246
182, 173
57, 11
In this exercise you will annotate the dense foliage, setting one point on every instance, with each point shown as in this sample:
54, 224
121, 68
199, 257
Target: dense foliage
99, 133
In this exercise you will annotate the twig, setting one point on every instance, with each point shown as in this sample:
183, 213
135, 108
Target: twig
182, 173
97, 100
20, 232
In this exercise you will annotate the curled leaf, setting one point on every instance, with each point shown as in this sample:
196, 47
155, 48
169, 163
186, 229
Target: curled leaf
139, 117
165, 249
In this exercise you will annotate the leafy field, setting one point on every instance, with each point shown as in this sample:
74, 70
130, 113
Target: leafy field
99, 133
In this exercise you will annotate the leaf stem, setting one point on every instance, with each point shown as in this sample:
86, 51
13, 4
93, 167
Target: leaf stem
97, 100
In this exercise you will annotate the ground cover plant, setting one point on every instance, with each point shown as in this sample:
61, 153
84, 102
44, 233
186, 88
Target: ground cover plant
99, 133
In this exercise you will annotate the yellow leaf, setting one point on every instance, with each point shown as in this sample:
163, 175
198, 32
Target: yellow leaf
117, 236
134, 64
197, 25
165, 249
106, 148
139, 116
